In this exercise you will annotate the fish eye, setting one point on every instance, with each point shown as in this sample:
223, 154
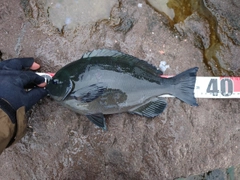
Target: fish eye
56, 81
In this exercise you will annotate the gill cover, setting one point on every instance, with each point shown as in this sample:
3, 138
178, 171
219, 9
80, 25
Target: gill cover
59, 88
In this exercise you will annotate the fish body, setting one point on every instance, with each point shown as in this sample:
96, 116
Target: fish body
107, 82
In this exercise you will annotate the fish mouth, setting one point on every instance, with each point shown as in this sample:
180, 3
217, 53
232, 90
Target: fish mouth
68, 89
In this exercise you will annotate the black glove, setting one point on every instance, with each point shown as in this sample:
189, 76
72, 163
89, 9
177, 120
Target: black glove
14, 79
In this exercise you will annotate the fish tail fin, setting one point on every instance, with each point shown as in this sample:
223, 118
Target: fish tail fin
184, 86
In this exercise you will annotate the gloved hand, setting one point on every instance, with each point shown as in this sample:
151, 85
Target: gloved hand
14, 79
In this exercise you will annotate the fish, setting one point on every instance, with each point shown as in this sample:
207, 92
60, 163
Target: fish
105, 81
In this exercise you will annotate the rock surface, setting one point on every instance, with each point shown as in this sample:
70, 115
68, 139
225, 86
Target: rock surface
182, 141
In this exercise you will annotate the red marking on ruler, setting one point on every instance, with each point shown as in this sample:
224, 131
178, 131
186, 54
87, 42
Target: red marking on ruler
236, 82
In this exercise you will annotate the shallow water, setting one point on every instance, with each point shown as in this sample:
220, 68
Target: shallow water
162, 6
70, 13
217, 174
185, 8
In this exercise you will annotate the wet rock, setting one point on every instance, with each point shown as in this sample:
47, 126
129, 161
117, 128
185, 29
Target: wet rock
217, 174
218, 32
197, 29
213, 27
121, 19
226, 14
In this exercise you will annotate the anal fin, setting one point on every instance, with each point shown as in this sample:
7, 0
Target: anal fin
98, 119
150, 109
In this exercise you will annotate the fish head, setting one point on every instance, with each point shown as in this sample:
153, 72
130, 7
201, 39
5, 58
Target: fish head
59, 86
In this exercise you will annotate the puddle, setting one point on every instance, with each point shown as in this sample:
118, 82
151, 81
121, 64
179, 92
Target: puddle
217, 174
71, 13
162, 6
185, 8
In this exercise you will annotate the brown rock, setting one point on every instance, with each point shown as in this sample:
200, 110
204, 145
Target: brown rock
183, 140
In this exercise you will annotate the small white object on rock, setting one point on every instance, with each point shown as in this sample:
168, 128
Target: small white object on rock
140, 5
163, 66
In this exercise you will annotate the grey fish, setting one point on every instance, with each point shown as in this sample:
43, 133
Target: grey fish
107, 82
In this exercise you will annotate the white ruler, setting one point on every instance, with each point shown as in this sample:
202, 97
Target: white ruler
205, 87
47, 76
217, 87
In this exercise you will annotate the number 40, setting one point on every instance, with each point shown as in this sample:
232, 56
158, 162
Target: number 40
226, 87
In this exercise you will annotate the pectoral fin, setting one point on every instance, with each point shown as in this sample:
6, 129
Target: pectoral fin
151, 109
98, 119
89, 93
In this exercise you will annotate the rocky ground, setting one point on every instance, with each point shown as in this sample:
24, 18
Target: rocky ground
183, 141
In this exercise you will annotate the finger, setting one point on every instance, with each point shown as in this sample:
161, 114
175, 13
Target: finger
33, 96
17, 64
28, 78
42, 84
35, 66
32, 85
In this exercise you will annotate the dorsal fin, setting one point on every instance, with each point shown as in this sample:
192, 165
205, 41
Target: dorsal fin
102, 53
124, 57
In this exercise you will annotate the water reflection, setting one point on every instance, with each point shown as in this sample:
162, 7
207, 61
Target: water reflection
182, 9
217, 174
70, 13
162, 6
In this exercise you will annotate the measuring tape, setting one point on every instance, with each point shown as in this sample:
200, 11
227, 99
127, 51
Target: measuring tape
47, 76
217, 87
205, 87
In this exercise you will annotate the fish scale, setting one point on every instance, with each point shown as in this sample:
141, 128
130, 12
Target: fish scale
205, 86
